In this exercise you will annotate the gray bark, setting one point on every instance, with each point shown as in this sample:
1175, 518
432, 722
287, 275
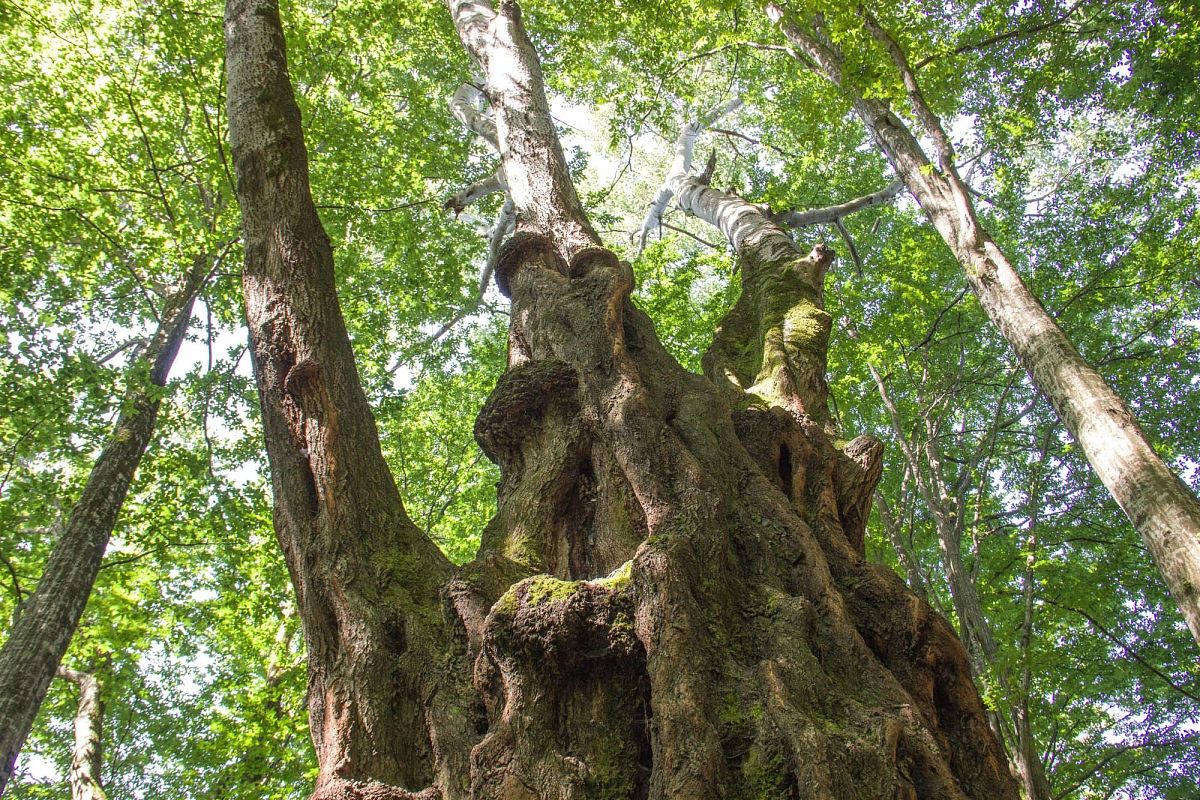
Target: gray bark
87, 757
833, 214
41, 635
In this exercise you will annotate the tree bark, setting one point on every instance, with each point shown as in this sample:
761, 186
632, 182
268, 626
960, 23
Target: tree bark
664, 605
41, 634
712, 573
1162, 509
384, 717
88, 756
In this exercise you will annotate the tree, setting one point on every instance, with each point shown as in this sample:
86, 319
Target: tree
1163, 509
88, 757
670, 600
1090, 188
40, 635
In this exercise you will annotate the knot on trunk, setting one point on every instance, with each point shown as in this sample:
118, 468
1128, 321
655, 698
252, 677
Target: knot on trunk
521, 249
564, 627
302, 378
522, 397
589, 258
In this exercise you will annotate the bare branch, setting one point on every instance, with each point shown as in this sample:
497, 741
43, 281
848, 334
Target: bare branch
688, 233
1016, 33
929, 121
1129, 651
831, 214
476, 192
849, 240
506, 221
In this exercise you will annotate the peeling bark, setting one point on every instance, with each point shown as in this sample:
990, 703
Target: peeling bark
41, 634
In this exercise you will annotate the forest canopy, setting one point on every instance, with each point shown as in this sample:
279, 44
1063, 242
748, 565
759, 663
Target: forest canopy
1072, 130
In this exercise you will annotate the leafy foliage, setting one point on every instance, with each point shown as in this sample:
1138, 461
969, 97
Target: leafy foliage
1075, 123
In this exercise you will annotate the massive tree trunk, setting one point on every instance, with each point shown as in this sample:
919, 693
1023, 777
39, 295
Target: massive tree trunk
670, 602
41, 633
1162, 509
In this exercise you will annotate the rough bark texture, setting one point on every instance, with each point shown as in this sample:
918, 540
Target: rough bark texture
366, 578
773, 661
1162, 509
47, 621
88, 756
671, 600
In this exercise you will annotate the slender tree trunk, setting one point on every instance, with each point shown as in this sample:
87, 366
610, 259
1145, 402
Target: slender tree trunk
945, 507
1028, 759
908, 559
946, 504
42, 632
88, 756
1162, 509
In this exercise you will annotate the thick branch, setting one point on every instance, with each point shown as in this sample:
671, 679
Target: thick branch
464, 105
924, 114
475, 192
681, 166
539, 183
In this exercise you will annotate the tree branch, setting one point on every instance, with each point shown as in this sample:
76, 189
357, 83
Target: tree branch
1129, 651
681, 166
1018, 33
831, 214
476, 192
929, 121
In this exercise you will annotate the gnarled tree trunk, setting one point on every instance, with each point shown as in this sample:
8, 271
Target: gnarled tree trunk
671, 600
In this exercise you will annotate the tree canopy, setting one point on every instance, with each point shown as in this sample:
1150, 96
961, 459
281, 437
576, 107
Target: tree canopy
1076, 126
